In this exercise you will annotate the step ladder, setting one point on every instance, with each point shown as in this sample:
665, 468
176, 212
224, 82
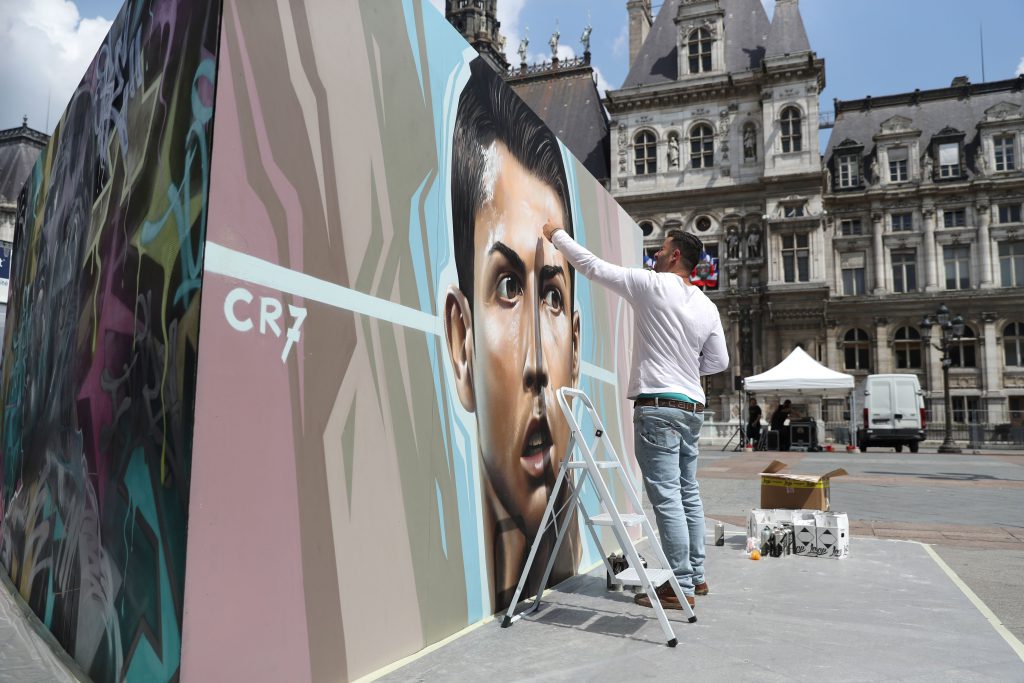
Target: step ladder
585, 459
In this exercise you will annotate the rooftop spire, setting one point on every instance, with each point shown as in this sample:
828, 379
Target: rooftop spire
787, 35
477, 21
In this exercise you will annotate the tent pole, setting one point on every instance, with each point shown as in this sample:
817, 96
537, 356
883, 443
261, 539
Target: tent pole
853, 416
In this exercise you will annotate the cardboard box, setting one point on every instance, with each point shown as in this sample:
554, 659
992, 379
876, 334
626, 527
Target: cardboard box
805, 536
832, 535
795, 491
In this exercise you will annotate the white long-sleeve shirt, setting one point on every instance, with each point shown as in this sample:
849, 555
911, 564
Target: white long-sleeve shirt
678, 333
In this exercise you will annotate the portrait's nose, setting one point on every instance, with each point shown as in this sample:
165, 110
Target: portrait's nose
535, 374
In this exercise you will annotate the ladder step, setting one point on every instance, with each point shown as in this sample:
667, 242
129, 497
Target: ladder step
629, 577
601, 464
605, 519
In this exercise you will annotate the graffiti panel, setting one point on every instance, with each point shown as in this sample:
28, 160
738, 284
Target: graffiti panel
384, 331
101, 347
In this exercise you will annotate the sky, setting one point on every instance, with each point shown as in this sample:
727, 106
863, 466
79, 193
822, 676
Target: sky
870, 47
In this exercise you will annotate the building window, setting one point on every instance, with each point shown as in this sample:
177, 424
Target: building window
792, 133
965, 409
1013, 344
1011, 263
645, 153
958, 266
907, 347
904, 271
962, 351
793, 210
1005, 146
853, 281
949, 160
796, 258
700, 51
897, 164
954, 218
851, 226
849, 170
702, 146
857, 350
1009, 213
902, 222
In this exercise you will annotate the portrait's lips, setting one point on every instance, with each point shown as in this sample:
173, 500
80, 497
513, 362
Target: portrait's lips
537, 447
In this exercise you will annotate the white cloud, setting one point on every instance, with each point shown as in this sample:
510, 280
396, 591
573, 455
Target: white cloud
602, 83
45, 48
619, 45
509, 14
1020, 67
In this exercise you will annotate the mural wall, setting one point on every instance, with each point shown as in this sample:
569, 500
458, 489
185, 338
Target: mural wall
100, 349
384, 331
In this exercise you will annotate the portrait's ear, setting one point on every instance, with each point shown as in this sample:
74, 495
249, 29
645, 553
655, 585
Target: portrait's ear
458, 331
576, 348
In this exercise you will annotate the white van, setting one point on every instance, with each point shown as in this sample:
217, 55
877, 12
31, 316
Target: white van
893, 413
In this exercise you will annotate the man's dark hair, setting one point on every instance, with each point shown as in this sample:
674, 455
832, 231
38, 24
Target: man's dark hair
490, 112
689, 247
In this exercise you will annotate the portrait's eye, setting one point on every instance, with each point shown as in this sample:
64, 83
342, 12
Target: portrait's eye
509, 287
553, 299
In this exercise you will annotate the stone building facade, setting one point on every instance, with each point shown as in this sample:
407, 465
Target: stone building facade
715, 131
924, 194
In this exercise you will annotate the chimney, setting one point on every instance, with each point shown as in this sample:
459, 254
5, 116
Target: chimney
639, 25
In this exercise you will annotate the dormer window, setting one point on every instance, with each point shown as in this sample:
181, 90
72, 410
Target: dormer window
1004, 152
793, 210
702, 146
645, 149
849, 170
898, 164
792, 135
699, 47
949, 160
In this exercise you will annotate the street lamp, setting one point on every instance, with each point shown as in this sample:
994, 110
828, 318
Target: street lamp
951, 329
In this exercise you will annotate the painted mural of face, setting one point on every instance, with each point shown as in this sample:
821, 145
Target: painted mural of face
522, 343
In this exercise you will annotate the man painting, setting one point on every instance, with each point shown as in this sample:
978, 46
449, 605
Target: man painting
513, 336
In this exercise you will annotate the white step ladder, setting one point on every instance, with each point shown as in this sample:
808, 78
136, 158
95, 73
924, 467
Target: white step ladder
583, 457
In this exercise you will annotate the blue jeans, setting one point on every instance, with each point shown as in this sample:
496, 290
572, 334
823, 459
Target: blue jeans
665, 441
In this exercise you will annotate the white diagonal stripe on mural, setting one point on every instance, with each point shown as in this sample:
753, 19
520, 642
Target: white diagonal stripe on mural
231, 263
225, 261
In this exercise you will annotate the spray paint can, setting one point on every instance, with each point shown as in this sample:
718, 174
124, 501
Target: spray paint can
719, 533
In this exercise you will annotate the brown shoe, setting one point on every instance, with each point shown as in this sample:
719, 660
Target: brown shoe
666, 596
701, 588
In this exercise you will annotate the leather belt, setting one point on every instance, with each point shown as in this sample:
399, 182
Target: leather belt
669, 403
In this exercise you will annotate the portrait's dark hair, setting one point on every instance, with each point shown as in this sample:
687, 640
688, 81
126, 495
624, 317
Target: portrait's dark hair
490, 112
689, 246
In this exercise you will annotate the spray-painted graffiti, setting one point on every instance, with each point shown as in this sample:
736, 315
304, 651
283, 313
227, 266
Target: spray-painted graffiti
99, 379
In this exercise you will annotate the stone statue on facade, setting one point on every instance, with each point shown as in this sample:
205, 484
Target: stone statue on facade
828, 179
554, 44
927, 167
753, 243
980, 162
749, 142
673, 150
876, 172
732, 243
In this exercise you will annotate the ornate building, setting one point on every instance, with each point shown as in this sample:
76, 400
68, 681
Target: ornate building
715, 131
19, 149
925, 193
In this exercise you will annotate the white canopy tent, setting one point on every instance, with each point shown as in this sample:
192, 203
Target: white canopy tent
800, 375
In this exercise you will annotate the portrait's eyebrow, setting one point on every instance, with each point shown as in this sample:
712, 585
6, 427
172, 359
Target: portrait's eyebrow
510, 255
551, 272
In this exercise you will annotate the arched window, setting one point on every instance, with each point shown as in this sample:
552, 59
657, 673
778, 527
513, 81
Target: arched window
645, 156
907, 345
792, 133
1013, 344
962, 352
702, 146
857, 348
699, 49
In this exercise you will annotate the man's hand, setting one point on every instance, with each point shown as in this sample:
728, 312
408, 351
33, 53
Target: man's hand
550, 229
